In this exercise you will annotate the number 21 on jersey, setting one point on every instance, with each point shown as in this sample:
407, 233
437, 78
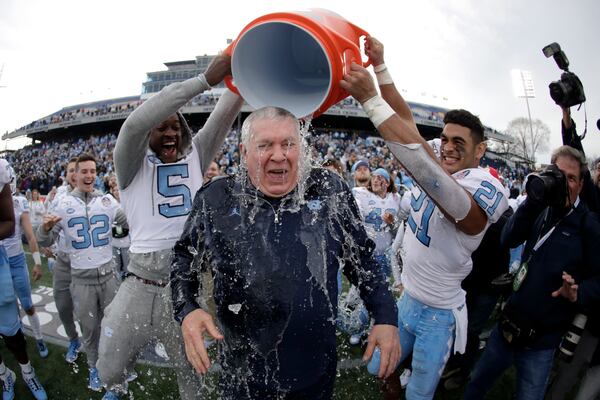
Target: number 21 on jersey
488, 192
421, 230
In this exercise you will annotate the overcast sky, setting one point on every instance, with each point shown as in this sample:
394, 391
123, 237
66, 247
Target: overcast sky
60, 53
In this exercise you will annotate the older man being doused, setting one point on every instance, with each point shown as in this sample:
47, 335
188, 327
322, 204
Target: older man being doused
273, 238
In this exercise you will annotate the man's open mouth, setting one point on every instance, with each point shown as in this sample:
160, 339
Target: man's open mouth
277, 174
169, 148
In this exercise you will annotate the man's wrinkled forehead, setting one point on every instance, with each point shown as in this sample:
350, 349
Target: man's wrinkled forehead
262, 129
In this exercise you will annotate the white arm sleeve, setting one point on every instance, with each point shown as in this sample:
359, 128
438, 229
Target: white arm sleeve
438, 185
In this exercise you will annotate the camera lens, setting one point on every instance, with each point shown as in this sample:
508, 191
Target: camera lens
536, 188
557, 92
572, 337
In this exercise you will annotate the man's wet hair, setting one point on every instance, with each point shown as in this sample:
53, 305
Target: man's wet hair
275, 113
465, 118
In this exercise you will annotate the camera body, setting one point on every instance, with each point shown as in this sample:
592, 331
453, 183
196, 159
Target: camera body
548, 187
568, 91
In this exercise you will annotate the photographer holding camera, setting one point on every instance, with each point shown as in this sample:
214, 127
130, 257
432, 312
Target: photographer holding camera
554, 281
580, 345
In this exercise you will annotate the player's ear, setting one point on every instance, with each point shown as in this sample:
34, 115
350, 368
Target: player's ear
480, 150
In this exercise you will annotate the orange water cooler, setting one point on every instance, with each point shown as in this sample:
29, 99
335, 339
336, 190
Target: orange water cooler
294, 60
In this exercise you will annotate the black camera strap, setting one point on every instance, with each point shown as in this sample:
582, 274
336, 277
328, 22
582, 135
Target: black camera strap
582, 136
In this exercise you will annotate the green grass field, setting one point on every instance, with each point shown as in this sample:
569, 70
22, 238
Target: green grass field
64, 381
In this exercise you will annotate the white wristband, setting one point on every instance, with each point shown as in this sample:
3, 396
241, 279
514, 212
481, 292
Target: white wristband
377, 110
204, 82
384, 77
379, 68
36, 258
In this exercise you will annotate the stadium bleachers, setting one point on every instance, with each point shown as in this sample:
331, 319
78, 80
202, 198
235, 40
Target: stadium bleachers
42, 166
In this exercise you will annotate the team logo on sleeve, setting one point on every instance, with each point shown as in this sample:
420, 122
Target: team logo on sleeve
105, 202
461, 174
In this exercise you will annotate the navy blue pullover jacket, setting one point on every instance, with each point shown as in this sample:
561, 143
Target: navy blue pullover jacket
573, 248
274, 263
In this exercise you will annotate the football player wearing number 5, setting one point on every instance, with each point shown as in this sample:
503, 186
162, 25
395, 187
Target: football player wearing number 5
85, 217
453, 204
159, 168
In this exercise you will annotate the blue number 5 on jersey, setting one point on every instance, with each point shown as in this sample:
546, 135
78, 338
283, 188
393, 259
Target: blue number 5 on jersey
164, 172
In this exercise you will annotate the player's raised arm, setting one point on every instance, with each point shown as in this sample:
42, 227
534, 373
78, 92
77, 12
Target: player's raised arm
374, 50
209, 139
134, 137
417, 157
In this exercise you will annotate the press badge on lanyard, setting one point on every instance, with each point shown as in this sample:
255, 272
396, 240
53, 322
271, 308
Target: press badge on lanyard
522, 272
520, 277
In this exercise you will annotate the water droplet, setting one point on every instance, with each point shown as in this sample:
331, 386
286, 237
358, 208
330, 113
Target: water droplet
192, 250
235, 308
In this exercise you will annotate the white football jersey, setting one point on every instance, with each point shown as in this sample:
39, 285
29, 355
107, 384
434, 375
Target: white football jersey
36, 212
437, 254
159, 199
61, 192
87, 229
13, 244
372, 207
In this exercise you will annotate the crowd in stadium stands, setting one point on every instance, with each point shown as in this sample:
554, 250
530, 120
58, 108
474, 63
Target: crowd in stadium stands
204, 99
42, 166
83, 112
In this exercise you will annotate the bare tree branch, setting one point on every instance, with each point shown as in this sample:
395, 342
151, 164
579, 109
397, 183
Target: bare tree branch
528, 141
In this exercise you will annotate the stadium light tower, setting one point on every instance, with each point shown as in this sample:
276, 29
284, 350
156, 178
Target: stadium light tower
522, 82
1, 71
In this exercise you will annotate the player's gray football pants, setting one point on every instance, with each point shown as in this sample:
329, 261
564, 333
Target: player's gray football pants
142, 314
89, 302
61, 281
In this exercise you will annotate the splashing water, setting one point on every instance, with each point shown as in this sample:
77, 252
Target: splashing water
318, 259
235, 308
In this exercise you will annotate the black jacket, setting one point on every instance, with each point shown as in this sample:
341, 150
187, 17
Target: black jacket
573, 248
490, 259
274, 263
